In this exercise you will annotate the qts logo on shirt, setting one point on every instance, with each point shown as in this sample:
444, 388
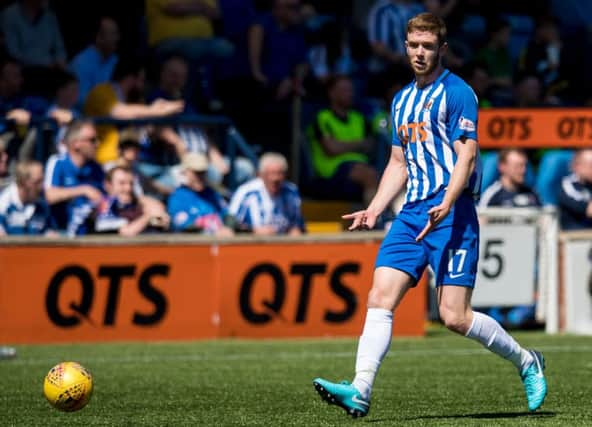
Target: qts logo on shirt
412, 132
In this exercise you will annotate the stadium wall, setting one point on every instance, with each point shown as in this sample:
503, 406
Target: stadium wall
189, 287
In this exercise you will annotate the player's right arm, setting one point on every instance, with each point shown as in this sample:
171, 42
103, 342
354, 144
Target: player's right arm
392, 181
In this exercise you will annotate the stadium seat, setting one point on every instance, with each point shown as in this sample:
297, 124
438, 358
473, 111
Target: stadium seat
554, 165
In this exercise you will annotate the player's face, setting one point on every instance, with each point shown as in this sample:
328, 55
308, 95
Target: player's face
122, 186
424, 52
273, 176
514, 168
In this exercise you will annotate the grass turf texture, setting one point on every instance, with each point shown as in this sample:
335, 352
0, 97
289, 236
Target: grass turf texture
440, 380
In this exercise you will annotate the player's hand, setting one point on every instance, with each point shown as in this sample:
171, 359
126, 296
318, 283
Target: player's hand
362, 220
436, 215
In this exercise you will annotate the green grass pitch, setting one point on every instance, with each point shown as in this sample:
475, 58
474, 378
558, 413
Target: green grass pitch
439, 380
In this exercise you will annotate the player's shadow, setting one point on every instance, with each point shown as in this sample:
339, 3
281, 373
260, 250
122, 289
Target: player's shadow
480, 416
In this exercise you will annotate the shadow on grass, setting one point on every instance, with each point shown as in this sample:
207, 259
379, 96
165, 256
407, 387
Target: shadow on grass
481, 416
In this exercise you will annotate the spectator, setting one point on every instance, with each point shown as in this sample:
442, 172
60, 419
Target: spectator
74, 181
510, 190
269, 204
340, 145
187, 28
13, 103
32, 34
63, 109
387, 26
172, 83
129, 149
270, 38
23, 211
121, 99
575, 194
528, 91
195, 206
277, 76
496, 55
5, 178
123, 212
96, 63
543, 54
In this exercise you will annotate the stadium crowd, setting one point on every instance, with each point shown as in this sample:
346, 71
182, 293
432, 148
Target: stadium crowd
327, 67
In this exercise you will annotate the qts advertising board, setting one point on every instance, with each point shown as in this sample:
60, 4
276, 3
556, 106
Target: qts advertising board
170, 292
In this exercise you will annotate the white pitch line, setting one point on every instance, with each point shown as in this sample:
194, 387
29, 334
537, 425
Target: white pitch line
302, 355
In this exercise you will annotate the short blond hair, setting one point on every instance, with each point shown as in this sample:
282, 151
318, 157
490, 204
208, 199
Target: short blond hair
430, 23
22, 171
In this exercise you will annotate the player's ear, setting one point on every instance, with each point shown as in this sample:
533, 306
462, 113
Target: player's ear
443, 48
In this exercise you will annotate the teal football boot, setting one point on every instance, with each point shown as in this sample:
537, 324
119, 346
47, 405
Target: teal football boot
534, 381
343, 395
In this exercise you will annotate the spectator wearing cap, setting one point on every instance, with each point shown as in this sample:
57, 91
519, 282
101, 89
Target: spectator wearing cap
269, 204
122, 211
195, 206
74, 181
23, 211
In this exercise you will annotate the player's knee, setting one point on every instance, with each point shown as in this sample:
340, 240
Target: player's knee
455, 321
378, 298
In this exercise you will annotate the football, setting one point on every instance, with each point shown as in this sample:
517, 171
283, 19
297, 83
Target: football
68, 386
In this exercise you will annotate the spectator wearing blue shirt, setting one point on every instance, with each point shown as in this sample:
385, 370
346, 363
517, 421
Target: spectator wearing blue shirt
23, 211
95, 64
194, 206
277, 47
575, 194
269, 205
510, 190
74, 181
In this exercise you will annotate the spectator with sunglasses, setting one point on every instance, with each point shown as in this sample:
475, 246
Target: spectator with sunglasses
74, 180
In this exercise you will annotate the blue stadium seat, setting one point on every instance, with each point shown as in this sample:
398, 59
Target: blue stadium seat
554, 165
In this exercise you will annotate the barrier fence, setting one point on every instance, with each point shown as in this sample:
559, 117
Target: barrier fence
188, 287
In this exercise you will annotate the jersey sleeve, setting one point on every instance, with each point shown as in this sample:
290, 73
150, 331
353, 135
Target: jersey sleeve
463, 110
54, 176
180, 217
395, 140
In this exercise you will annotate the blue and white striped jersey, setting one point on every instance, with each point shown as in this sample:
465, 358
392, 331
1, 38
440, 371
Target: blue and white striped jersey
253, 206
21, 218
426, 122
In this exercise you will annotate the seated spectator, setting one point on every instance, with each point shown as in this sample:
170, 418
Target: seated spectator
510, 189
23, 211
575, 194
5, 178
74, 181
32, 34
13, 103
268, 204
96, 63
122, 211
195, 206
121, 99
187, 28
340, 145
129, 149
543, 54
